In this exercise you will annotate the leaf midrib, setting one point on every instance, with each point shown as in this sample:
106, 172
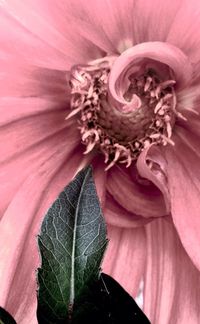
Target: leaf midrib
72, 278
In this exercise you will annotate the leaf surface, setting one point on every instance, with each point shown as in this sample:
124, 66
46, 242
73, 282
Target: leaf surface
72, 243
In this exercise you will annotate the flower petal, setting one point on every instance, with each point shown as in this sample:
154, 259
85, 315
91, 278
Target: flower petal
145, 200
184, 29
146, 13
172, 283
155, 170
125, 257
115, 25
161, 52
13, 109
118, 216
25, 80
108, 24
28, 140
29, 131
184, 186
19, 227
39, 34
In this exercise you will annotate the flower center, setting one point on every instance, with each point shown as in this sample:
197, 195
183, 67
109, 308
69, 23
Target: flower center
124, 119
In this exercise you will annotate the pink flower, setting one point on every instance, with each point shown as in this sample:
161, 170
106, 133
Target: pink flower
127, 75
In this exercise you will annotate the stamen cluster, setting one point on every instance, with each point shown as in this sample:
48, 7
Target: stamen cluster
122, 136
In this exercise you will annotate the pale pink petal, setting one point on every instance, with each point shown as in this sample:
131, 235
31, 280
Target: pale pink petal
30, 33
196, 74
19, 228
25, 80
172, 283
13, 109
188, 101
155, 170
116, 25
28, 140
125, 257
140, 199
118, 216
184, 182
28, 131
108, 24
17, 42
161, 52
184, 31
153, 19
191, 125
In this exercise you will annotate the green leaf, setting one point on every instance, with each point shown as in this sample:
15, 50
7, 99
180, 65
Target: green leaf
5, 317
72, 243
108, 303
117, 305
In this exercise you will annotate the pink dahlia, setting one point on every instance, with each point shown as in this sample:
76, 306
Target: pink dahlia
116, 84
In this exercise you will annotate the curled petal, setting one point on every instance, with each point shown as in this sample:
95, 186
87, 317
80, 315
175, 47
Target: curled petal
118, 216
155, 170
161, 52
133, 196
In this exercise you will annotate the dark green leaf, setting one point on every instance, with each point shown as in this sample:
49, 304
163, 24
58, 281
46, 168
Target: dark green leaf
108, 303
72, 242
5, 317
119, 306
